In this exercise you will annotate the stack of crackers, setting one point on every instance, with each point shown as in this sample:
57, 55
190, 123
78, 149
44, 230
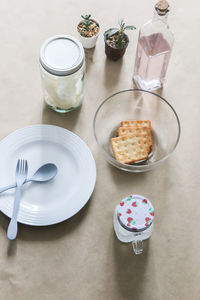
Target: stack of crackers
133, 142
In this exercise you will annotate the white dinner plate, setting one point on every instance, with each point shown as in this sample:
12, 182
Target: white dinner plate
59, 199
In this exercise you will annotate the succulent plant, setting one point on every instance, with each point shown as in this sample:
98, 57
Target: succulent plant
86, 22
119, 33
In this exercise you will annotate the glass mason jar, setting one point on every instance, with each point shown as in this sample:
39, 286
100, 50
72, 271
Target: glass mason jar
133, 221
62, 67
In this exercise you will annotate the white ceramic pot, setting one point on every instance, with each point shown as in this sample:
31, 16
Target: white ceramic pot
89, 42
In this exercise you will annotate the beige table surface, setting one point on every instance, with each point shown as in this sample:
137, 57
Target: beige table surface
80, 258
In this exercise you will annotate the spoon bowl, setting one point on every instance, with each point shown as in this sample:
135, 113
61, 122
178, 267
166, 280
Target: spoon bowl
44, 173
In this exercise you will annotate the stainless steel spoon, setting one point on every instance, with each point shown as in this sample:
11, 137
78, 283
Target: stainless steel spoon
43, 174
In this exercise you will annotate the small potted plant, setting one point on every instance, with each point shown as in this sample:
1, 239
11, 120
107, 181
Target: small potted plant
89, 31
116, 41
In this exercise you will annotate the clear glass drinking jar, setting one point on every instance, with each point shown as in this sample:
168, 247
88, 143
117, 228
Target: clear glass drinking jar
133, 221
62, 67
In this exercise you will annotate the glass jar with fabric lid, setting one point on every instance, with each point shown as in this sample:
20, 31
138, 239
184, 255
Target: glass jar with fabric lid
62, 66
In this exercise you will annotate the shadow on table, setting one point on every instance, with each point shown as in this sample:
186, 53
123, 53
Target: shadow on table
126, 178
43, 233
112, 70
158, 180
89, 58
129, 269
65, 120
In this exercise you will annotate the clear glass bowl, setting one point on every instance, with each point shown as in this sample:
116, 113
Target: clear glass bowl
137, 104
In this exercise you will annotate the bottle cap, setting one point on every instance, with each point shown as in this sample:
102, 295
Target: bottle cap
62, 55
162, 7
135, 213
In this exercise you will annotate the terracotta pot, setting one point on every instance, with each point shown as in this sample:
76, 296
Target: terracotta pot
115, 53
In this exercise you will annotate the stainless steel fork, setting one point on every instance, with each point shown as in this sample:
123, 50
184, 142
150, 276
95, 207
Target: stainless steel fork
21, 175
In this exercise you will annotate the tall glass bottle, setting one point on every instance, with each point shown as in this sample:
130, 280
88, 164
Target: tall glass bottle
154, 49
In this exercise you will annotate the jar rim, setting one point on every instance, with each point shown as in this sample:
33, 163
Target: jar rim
134, 230
62, 55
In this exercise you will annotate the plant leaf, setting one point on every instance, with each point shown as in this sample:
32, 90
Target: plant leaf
86, 17
130, 27
111, 31
120, 22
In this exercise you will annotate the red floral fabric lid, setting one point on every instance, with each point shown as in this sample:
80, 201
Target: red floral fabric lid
135, 213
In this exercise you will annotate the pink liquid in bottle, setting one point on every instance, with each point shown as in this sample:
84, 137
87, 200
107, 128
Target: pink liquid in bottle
152, 58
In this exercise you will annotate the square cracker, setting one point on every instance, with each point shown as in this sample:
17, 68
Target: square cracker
129, 148
136, 123
144, 132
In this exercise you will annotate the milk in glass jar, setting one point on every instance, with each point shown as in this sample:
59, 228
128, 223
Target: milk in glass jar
62, 66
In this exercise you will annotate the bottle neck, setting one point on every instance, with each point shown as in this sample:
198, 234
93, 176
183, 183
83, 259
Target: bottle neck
157, 17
